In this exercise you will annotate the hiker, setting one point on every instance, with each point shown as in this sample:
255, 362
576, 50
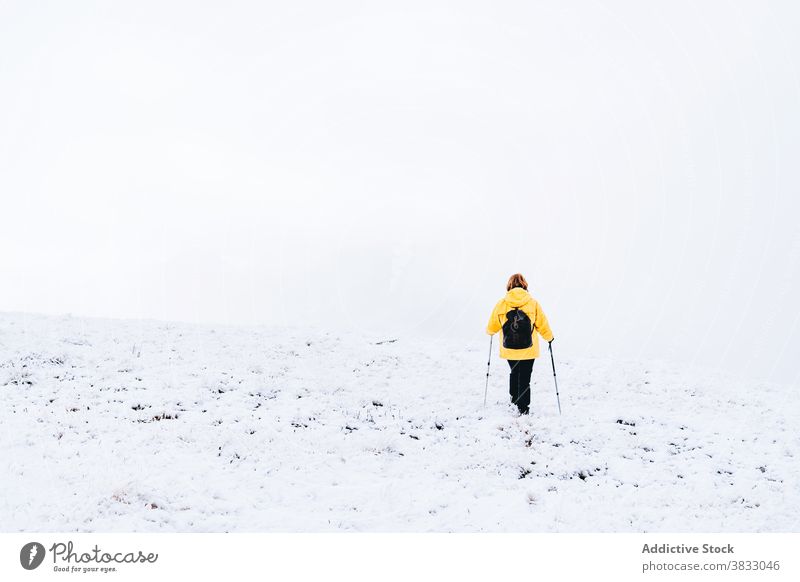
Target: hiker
519, 318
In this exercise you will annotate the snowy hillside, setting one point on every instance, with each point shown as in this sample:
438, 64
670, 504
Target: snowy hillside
147, 426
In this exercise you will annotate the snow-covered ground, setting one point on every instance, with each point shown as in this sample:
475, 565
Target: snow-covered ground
146, 426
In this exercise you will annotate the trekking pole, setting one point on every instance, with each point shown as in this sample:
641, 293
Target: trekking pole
488, 365
553, 363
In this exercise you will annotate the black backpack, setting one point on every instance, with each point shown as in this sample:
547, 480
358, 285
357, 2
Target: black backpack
517, 330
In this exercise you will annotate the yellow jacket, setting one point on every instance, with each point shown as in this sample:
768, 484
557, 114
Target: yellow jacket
519, 297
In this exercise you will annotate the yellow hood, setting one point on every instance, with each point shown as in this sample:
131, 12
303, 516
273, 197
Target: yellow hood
517, 297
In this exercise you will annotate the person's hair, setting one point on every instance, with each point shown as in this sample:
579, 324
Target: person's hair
516, 280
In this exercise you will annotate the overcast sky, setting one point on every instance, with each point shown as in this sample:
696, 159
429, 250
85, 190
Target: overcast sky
387, 165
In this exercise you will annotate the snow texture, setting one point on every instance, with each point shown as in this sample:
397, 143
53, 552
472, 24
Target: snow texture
111, 425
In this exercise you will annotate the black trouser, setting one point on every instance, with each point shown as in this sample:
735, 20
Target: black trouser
519, 383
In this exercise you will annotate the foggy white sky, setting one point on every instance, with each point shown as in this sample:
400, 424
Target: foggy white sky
387, 165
